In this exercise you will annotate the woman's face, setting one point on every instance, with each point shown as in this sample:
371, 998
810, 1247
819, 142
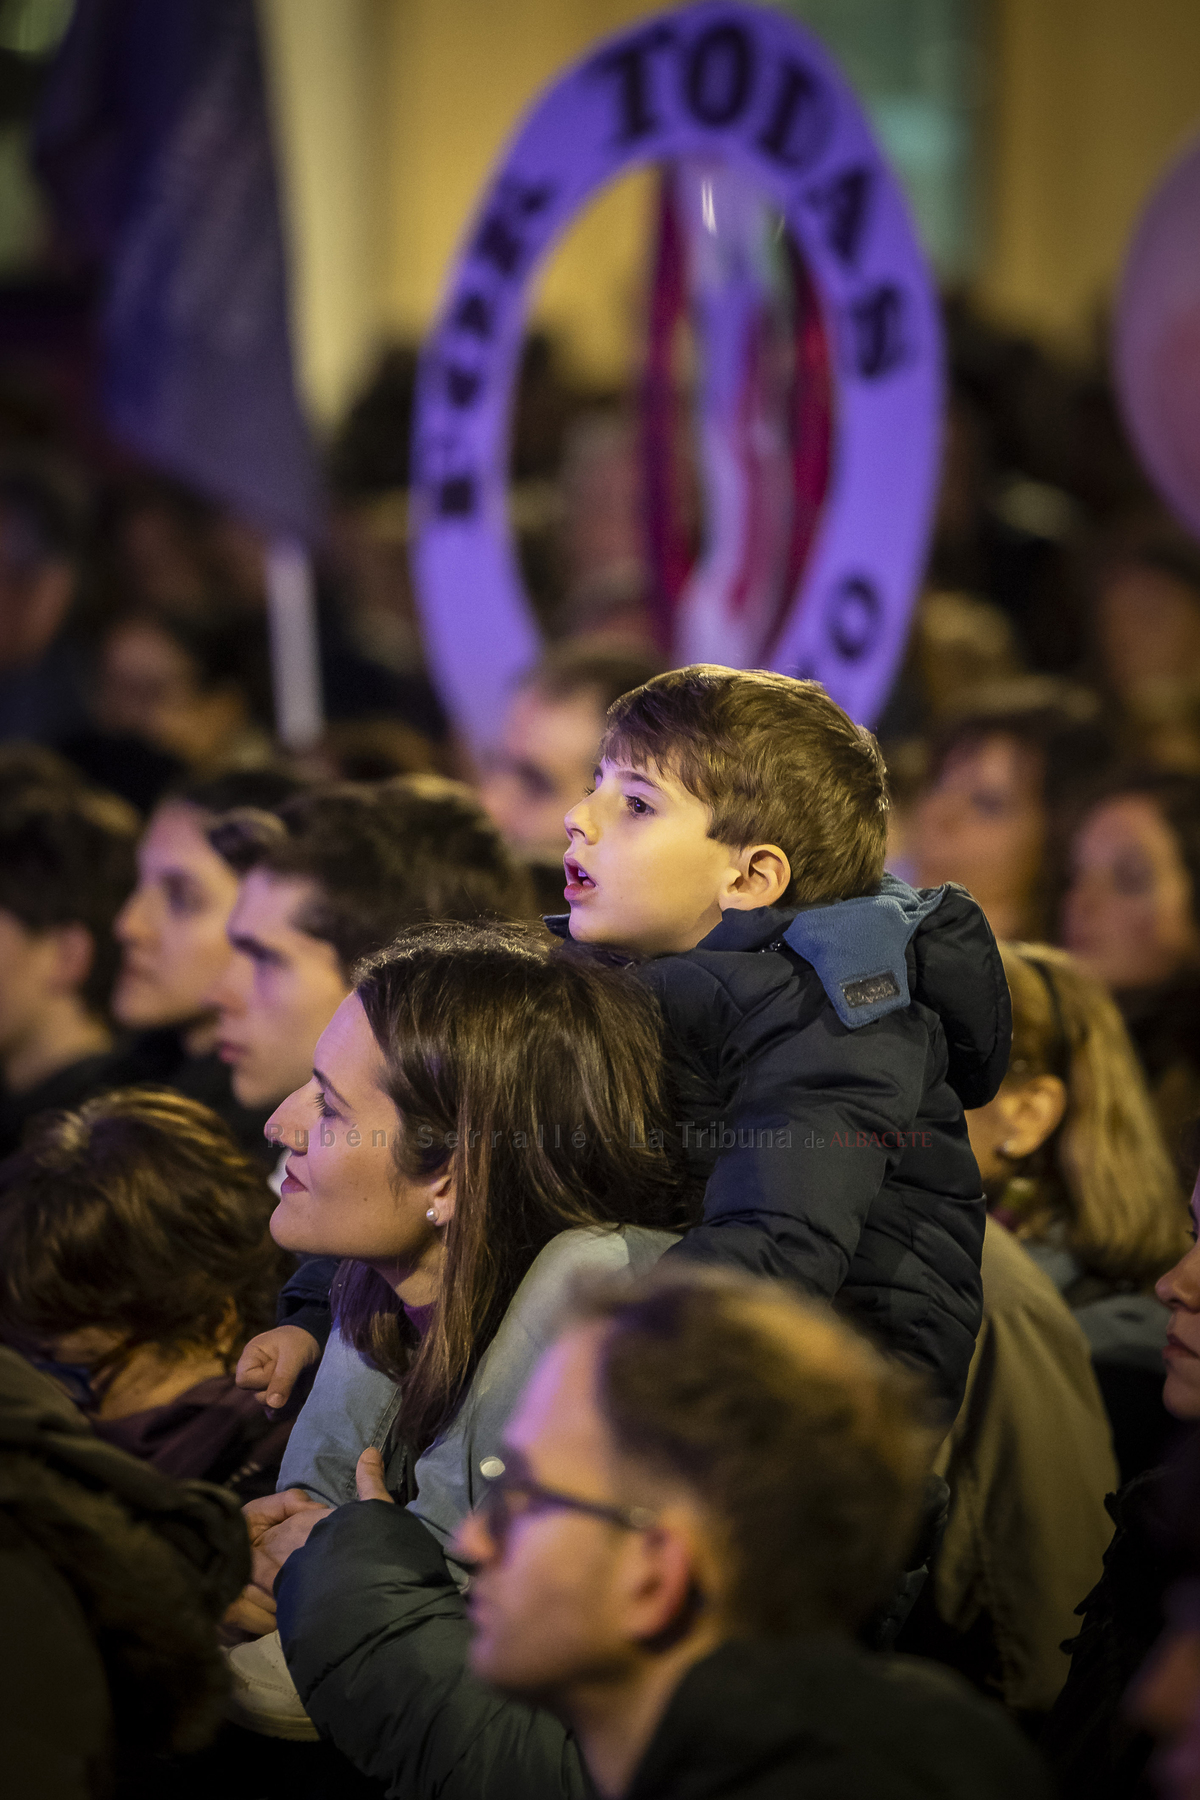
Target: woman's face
983, 824
342, 1194
1179, 1291
172, 927
1128, 912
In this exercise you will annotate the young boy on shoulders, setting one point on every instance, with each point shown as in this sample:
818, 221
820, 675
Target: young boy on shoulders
828, 1023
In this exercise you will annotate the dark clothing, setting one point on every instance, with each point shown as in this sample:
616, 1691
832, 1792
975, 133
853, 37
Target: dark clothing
60, 1092
827, 1123
111, 1580
304, 1298
214, 1432
824, 1059
376, 1636
818, 1718
1093, 1747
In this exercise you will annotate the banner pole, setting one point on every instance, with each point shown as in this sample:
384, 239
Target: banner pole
295, 652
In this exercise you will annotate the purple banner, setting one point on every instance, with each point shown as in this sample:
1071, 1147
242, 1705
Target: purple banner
751, 89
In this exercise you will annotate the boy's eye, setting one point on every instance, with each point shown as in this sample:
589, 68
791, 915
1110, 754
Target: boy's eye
637, 805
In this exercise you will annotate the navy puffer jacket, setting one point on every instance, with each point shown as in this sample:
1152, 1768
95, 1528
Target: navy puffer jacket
824, 1058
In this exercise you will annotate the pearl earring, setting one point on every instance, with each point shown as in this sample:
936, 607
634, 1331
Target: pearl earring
431, 1215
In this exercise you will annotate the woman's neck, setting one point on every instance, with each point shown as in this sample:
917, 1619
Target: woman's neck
417, 1285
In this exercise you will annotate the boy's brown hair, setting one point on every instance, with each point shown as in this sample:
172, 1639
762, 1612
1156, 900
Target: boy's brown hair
775, 760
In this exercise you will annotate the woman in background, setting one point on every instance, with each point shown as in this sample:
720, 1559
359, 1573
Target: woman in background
1074, 1162
135, 1262
1130, 916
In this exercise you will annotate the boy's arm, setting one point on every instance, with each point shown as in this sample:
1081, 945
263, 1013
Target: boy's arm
304, 1297
819, 1117
375, 1634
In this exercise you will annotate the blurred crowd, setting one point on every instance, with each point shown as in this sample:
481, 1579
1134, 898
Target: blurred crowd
185, 908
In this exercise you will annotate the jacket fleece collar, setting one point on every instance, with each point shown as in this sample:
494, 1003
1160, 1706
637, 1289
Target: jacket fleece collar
857, 947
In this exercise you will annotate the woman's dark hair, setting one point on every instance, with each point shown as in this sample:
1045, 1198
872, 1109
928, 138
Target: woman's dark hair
1176, 798
535, 1076
1061, 723
139, 1214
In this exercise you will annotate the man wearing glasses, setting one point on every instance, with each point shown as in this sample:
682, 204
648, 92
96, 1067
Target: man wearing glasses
705, 1488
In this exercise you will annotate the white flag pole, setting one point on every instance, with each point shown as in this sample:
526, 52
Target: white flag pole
295, 654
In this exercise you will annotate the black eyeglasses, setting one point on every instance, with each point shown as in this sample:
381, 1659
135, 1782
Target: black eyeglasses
511, 1496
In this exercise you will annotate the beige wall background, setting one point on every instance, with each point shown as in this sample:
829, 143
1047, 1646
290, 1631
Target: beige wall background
391, 113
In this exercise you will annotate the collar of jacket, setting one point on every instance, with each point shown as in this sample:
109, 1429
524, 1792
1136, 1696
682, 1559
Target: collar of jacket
857, 947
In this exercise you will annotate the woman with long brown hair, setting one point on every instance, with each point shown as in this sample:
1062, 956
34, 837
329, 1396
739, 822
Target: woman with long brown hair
487, 1120
1074, 1162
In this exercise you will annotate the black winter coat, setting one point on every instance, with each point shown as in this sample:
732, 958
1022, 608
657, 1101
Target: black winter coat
376, 1637
825, 1058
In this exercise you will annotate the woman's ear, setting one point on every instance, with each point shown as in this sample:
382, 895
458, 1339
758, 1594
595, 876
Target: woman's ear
1036, 1111
442, 1195
761, 876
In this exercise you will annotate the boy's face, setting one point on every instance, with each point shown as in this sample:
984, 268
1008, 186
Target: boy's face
642, 871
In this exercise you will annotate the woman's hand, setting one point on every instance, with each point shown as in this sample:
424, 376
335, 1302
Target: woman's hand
273, 1362
368, 1477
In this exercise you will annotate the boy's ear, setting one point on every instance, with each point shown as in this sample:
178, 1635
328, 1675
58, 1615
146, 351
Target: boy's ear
760, 876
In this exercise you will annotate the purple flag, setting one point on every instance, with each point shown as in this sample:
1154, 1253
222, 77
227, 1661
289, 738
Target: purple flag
154, 140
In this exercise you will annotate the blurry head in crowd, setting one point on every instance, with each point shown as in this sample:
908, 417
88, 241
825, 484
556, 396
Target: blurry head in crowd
172, 928
1130, 913
134, 1244
66, 866
181, 684
41, 535
551, 740
698, 1459
998, 777
1070, 1149
477, 1094
1147, 616
328, 879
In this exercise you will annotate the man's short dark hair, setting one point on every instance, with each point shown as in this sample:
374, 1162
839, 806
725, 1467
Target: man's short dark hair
807, 1447
67, 858
775, 760
381, 856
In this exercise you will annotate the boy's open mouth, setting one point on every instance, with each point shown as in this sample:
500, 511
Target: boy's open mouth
578, 880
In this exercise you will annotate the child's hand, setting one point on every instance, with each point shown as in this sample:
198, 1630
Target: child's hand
271, 1363
368, 1477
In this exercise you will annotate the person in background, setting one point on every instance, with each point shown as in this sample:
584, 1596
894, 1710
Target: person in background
112, 1579
42, 528
1028, 1461
999, 776
1073, 1161
548, 747
1131, 915
1100, 1735
705, 1487
171, 933
66, 867
135, 1256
